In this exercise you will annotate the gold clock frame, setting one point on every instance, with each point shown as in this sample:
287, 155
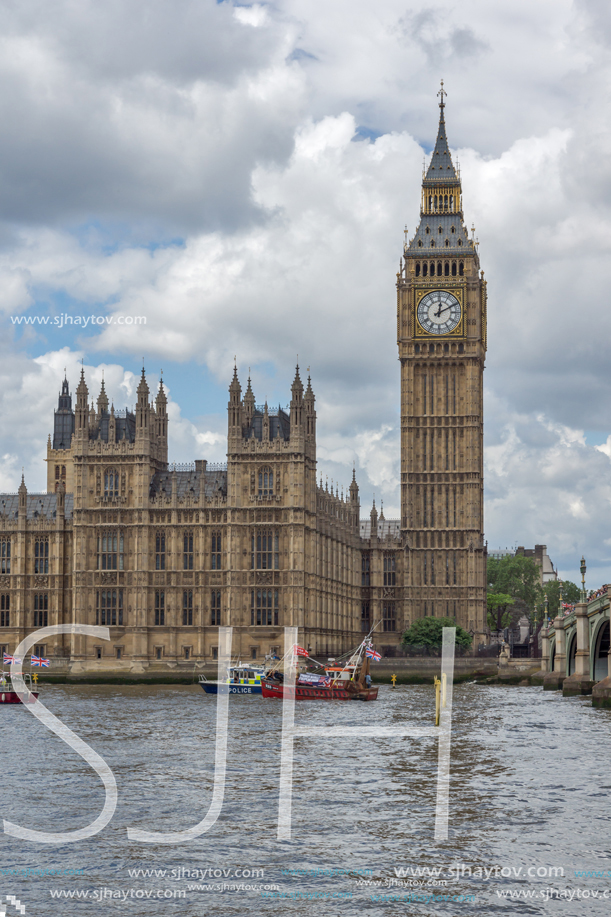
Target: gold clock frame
458, 292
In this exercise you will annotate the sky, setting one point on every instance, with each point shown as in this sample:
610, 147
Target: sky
212, 180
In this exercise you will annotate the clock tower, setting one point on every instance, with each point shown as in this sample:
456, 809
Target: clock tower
441, 328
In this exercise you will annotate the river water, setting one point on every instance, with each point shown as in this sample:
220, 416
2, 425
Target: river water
529, 807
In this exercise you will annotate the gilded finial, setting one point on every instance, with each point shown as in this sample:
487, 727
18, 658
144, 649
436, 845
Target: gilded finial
441, 95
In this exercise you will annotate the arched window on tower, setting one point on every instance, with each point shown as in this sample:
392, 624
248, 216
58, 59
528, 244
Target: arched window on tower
417, 270
432, 269
425, 269
111, 483
452, 204
160, 551
266, 482
446, 268
454, 269
432, 243
461, 269
439, 269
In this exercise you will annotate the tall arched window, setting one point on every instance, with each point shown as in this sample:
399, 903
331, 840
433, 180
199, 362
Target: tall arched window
41, 610
160, 551
216, 550
41, 555
187, 555
5, 555
111, 483
266, 482
264, 551
110, 551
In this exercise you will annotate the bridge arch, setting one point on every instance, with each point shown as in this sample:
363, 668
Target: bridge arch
571, 651
599, 651
552, 653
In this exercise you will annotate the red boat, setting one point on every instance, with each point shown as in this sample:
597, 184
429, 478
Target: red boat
271, 687
347, 682
8, 695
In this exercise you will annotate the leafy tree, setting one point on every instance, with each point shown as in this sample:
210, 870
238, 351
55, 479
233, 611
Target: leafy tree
570, 593
517, 576
498, 616
429, 632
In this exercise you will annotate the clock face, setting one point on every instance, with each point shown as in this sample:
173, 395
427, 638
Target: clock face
439, 312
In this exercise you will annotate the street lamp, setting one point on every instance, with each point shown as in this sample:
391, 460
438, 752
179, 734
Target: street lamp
560, 598
582, 570
547, 609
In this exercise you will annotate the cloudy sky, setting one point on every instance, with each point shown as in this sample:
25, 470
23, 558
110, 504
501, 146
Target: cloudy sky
240, 176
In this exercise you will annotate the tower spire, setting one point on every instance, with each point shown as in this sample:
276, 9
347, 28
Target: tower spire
441, 168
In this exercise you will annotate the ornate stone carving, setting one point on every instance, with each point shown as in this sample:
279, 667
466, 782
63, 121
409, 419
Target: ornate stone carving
108, 579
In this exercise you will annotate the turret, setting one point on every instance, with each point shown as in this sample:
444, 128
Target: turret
296, 405
81, 413
112, 425
142, 409
161, 412
374, 522
310, 413
234, 408
249, 405
354, 489
23, 496
102, 402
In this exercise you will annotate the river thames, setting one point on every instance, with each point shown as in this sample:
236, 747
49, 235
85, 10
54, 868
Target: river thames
529, 816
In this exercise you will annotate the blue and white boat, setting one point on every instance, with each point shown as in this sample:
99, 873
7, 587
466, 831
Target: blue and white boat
242, 678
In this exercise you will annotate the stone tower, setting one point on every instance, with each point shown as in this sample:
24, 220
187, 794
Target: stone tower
441, 325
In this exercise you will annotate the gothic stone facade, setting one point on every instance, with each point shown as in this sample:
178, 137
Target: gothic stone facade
164, 554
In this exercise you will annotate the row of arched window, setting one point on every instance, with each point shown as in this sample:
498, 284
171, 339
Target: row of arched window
440, 269
187, 552
432, 348
441, 203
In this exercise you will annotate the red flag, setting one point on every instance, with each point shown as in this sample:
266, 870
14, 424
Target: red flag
299, 650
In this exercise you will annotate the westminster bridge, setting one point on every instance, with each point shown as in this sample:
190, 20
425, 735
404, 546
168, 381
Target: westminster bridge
575, 651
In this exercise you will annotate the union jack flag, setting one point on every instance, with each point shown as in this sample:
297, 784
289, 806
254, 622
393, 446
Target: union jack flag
372, 654
10, 660
39, 661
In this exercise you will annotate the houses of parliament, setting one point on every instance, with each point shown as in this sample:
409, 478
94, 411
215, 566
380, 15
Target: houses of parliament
163, 554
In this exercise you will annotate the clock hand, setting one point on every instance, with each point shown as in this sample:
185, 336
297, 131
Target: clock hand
440, 310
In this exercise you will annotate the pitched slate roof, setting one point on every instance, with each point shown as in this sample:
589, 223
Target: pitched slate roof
38, 506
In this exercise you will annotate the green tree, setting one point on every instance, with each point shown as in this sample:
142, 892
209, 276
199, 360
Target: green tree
517, 576
428, 632
570, 593
498, 616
